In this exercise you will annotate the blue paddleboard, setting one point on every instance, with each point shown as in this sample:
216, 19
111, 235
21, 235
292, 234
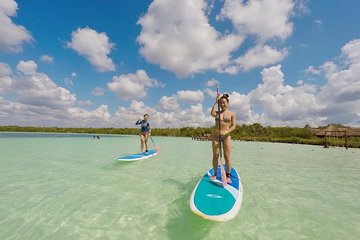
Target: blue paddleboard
212, 201
138, 156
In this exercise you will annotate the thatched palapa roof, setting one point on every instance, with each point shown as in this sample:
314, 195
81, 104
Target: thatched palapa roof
334, 131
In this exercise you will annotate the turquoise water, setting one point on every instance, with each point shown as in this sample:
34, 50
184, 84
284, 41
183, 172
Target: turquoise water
72, 188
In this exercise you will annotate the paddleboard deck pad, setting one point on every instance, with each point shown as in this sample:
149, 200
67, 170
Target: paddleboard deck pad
210, 200
138, 156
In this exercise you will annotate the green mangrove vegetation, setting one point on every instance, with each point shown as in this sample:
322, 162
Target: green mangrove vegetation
252, 132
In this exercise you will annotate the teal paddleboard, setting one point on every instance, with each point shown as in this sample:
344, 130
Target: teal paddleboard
211, 200
138, 156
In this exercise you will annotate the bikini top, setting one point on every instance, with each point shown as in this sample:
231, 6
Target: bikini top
226, 119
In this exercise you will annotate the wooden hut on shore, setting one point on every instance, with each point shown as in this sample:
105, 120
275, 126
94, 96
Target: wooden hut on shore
337, 136
202, 137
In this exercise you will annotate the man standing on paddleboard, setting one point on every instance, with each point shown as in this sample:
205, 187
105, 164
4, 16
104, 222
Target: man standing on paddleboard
227, 121
145, 132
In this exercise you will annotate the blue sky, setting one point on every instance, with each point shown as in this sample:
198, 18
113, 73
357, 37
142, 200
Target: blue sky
106, 63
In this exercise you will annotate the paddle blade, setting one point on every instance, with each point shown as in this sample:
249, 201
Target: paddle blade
157, 149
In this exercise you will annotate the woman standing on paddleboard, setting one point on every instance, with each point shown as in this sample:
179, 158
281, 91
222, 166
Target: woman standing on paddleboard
227, 121
145, 132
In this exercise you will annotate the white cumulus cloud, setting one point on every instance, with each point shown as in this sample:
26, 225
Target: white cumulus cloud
38, 101
212, 83
12, 36
343, 84
5, 77
240, 104
177, 35
98, 91
132, 86
278, 103
261, 56
95, 47
266, 19
27, 67
46, 58
85, 118
170, 104
38, 89
190, 97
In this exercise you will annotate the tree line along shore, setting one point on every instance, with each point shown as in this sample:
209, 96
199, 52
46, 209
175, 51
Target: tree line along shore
253, 132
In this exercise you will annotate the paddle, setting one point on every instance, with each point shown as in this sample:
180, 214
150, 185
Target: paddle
157, 148
223, 174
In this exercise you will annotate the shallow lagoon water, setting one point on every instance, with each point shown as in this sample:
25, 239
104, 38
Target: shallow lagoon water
72, 187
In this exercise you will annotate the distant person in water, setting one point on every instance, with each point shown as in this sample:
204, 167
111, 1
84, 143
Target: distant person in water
145, 132
227, 121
